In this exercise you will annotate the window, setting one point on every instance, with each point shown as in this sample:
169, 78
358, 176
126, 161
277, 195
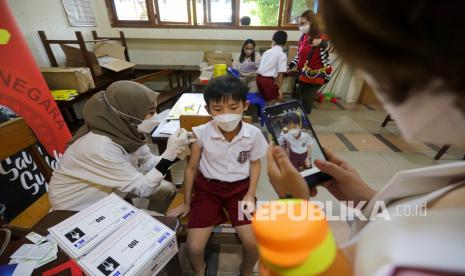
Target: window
173, 11
262, 14
131, 10
296, 7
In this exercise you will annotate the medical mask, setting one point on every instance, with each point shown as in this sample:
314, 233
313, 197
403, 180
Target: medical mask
248, 52
304, 29
427, 116
149, 124
227, 122
294, 132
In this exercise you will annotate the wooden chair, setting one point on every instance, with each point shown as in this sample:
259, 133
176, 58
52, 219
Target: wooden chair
223, 234
16, 136
88, 59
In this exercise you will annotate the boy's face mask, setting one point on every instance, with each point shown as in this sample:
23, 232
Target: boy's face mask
427, 116
294, 132
227, 122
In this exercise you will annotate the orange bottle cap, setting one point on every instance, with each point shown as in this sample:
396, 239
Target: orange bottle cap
288, 230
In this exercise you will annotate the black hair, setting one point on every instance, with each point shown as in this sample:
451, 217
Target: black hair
224, 88
252, 57
280, 37
245, 21
291, 117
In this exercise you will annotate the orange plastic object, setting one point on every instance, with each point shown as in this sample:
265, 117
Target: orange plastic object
283, 236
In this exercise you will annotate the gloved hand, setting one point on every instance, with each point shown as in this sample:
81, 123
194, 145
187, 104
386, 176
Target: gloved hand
177, 144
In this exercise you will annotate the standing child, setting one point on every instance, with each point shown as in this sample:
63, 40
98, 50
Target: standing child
227, 155
271, 70
297, 143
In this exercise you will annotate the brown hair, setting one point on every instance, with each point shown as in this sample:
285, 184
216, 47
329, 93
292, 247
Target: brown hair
315, 24
402, 44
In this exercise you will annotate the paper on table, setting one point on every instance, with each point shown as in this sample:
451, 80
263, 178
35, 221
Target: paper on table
32, 251
169, 127
25, 268
36, 238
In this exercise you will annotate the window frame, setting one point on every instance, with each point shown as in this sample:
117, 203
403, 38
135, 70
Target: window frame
155, 22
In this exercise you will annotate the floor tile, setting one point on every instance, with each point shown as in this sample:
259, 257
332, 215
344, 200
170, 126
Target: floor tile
369, 164
366, 142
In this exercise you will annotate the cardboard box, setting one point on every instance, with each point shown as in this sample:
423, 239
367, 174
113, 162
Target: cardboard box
216, 57
59, 78
109, 55
142, 246
112, 237
83, 231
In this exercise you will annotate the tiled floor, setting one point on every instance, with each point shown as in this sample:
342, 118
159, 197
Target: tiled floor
377, 153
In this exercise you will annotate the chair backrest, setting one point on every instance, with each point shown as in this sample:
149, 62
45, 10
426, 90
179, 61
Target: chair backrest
189, 121
16, 136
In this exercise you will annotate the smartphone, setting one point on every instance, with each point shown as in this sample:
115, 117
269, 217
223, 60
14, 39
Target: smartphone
290, 128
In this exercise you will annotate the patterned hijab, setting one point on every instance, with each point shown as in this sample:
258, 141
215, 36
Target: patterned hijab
117, 111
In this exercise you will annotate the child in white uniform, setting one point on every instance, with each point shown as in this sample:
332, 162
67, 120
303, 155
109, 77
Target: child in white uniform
222, 173
297, 143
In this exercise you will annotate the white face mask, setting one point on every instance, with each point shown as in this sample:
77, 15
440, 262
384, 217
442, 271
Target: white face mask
248, 52
294, 132
304, 29
227, 122
149, 124
427, 116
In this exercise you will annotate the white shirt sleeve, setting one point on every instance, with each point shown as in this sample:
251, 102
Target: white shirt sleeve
282, 63
199, 131
145, 159
259, 147
112, 168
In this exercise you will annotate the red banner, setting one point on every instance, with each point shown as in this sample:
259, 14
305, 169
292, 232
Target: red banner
23, 89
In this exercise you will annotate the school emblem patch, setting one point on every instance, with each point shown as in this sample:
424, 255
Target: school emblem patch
243, 155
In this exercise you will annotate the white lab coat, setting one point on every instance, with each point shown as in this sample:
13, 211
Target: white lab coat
433, 240
94, 166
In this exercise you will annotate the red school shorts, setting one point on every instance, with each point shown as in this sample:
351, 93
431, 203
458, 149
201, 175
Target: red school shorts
212, 198
267, 88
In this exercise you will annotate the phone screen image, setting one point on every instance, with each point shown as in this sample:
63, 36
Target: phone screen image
291, 129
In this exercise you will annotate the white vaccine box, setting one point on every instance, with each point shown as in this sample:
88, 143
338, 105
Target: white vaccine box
81, 232
141, 246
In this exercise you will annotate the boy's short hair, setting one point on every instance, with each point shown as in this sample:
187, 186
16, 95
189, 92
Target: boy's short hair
224, 88
291, 117
280, 37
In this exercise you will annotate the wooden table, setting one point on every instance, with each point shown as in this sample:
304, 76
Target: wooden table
51, 219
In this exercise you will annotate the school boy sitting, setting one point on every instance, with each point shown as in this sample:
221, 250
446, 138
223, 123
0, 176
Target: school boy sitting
222, 173
271, 69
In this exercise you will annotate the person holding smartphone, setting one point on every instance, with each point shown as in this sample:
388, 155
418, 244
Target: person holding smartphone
419, 80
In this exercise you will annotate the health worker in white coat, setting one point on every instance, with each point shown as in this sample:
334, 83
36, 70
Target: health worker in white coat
419, 78
110, 153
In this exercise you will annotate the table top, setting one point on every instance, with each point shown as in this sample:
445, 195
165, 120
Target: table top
173, 116
50, 220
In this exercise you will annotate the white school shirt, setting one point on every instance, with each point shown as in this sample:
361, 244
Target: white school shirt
95, 166
229, 161
273, 61
299, 145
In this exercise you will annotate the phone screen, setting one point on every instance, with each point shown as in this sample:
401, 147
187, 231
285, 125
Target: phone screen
291, 129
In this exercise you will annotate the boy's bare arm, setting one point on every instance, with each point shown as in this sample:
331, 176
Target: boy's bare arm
279, 82
191, 171
255, 168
